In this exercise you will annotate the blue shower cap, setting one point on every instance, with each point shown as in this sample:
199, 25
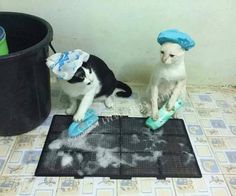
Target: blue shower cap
175, 36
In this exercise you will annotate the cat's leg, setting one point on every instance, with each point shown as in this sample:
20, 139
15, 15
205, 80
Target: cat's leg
85, 103
154, 102
73, 106
109, 103
176, 93
175, 115
145, 104
182, 96
144, 107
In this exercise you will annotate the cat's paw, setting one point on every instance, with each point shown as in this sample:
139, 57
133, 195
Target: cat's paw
175, 115
170, 106
143, 108
78, 117
155, 117
70, 110
109, 103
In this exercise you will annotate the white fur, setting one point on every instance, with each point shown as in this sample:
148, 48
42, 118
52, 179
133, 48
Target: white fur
87, 89
168, 81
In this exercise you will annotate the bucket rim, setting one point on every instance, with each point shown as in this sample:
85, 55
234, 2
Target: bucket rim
44, 41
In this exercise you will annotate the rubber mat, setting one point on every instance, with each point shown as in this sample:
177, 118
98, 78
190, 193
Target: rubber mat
120, 148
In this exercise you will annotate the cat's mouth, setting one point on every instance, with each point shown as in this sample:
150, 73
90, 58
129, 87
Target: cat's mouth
166, 62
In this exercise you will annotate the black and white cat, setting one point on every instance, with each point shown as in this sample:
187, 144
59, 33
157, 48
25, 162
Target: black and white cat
92, 80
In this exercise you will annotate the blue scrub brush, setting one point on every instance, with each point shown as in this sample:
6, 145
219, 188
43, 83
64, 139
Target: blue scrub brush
164, 116
83, 128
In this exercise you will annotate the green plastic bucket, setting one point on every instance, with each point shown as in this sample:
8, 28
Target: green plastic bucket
3, 42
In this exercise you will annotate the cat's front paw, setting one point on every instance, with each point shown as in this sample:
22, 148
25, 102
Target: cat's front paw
143, 108
78, 117
170, 106
155, 116
109, 103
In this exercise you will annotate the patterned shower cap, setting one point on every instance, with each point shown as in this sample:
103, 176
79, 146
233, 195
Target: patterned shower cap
65, 64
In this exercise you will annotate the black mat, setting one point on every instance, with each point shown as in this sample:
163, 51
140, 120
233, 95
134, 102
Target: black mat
137, 151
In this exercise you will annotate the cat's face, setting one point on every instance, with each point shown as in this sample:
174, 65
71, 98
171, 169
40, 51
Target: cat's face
171, 53
82, 75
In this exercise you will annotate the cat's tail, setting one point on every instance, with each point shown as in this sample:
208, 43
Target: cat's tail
127, 90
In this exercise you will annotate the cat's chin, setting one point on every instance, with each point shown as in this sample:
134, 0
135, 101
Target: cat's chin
170, 64
167, 65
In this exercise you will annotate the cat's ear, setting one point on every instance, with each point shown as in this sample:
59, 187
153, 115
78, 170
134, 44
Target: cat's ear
87, 66
78, 72
90, 70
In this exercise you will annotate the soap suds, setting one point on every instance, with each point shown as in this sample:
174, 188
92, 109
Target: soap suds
99, 151
66, 160
189, 158
135, 139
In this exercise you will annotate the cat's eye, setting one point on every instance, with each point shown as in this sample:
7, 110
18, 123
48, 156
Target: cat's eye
162, 52
171, 55
81, 77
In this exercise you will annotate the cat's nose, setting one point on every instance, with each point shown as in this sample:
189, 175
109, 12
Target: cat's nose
163, 59
166, 61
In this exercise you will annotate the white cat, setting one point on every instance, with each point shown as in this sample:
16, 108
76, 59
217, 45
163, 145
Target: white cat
168, 80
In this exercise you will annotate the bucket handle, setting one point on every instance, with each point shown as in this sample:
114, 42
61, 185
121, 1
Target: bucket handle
52, 48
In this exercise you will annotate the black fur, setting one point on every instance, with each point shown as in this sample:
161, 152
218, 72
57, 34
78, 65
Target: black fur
105, 76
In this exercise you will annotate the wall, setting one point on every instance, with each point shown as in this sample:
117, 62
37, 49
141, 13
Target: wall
123, 33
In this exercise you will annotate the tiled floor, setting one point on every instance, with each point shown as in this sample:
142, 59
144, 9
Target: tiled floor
209, 115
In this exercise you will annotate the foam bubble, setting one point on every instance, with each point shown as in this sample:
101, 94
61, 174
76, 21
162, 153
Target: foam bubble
66, 160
